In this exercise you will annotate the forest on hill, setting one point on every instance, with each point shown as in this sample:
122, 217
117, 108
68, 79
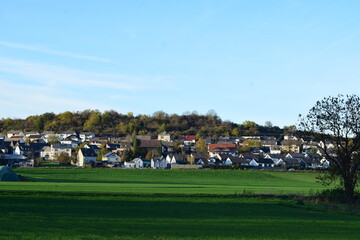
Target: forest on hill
112, 122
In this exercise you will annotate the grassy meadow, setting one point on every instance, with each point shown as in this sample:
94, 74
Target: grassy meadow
163, 181
151, 204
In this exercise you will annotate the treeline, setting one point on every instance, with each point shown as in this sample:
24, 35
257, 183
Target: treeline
112, 122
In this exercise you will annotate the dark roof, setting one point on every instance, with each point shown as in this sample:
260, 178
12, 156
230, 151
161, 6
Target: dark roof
37, 146
93, 146
265, 161
88, 152
260, 149
297, 155
113, 146
150, 143
200, 155
237, 160
59, 145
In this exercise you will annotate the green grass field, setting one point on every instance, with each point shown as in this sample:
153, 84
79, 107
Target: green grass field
151, 204
164, 181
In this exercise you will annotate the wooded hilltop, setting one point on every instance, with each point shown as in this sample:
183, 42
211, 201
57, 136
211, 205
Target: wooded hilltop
112, 122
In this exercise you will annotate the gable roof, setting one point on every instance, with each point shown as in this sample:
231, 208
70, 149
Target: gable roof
190, 137
88, 152
222, 147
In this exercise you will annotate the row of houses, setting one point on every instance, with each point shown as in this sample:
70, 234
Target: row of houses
17, 145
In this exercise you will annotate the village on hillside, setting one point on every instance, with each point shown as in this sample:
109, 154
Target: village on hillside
85, 149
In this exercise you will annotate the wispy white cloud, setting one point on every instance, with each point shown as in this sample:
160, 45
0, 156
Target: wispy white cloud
46, 50
54, 76
22, 100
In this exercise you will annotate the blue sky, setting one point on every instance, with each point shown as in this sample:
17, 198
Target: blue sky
247, 60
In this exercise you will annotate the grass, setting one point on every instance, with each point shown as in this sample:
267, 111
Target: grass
149, 204
46, 216
164, 181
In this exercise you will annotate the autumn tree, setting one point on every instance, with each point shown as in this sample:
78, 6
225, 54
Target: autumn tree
63, 158
248, 144
336, 120
201, 146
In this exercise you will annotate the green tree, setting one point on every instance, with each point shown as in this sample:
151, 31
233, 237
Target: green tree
336, 120
127, 155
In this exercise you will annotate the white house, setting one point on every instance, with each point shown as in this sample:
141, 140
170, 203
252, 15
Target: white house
45, 152
56, 149
71, 142
160, 163
111, 158
15, 133
85, 136
164, 136
86, 156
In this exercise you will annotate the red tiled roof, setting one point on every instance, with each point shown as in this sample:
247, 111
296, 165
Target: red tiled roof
190, 137
222, 147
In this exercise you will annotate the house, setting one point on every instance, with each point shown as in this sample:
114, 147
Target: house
36, 149
45, 153
111, 158
189, 140
93, 147
86, 156
274, 157
36, 138
201, 161
150, 145
16, 139
294, 162
275, 150
98, 141
32, 133
214, 161
139, 163
226, 140
200, 158
260, 150
267, 141
67, 134
248, 156
262, 162
160, 163
12, 159
15, 133
56, 149
130, 164
219, 148
22, 149
295, 155
230, 160
86, 136
5, 146
325, 163
71, 142
179, 159
164, 136
112, 147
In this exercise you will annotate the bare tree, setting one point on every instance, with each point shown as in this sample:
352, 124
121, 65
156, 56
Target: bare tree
336, 121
